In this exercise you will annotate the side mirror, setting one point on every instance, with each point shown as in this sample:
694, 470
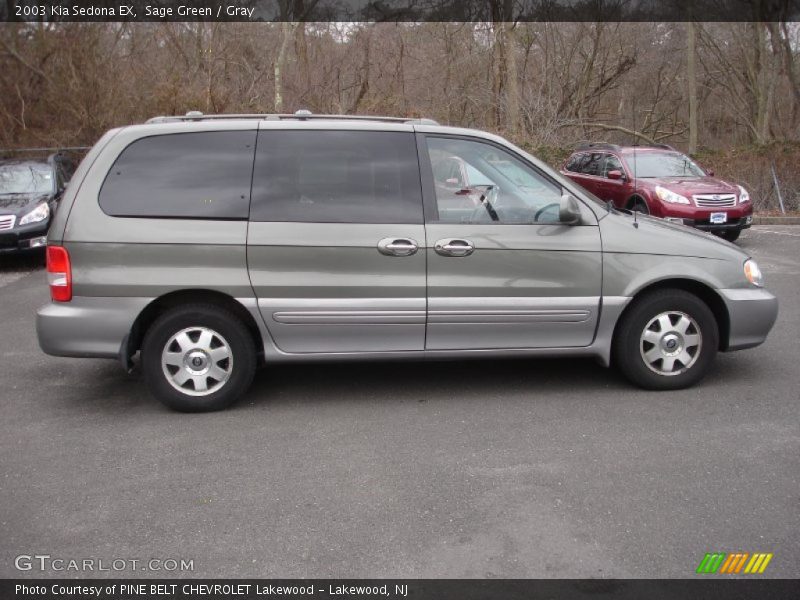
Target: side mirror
710, 172
569, 212
615, 174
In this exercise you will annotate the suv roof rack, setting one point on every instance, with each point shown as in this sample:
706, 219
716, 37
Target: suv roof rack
617, 147
596, 146
300, 115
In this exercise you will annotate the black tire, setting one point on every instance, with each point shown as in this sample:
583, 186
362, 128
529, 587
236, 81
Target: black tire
639, 205
629, 346
238, 343
732, 234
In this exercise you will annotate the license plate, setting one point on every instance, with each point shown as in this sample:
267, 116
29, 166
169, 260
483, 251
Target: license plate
719, 217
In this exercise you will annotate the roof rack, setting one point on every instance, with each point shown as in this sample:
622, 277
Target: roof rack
664, 146
617, 147
596, 146
300, 115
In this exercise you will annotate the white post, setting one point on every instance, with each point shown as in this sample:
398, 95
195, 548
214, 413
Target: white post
777, 188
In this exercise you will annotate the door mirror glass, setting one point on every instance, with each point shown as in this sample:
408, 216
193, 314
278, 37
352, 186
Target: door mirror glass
614, 174
569, 212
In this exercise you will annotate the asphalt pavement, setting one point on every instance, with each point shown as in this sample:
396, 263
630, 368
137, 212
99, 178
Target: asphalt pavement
549, 468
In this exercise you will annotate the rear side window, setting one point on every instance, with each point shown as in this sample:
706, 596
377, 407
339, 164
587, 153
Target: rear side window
593, 166
183, 175
336, 177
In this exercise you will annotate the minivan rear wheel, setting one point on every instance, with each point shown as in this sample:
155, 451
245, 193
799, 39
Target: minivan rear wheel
667, 340
198, 358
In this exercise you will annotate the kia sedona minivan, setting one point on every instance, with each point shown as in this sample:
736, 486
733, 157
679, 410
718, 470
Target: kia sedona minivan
202, 247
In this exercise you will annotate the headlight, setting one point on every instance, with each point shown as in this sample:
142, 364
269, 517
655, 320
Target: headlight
667, 196
743, 195
753, 273
40, 213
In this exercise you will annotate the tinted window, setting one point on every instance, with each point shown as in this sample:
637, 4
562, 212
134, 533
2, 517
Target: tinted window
593, 164
574, 163
336, 177
499, 188
186, 175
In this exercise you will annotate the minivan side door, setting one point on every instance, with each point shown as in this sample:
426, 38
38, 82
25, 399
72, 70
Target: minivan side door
508, 275
336, 236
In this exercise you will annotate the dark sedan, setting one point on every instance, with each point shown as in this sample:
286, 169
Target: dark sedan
29, 195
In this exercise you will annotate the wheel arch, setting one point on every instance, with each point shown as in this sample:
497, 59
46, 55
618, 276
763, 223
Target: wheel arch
702, 290
158, 306
634, 197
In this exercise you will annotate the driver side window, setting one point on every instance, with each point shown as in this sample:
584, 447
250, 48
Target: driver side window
477, 182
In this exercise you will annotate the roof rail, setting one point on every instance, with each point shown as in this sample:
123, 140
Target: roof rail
617, 147
664, 146
596, 146
300, 115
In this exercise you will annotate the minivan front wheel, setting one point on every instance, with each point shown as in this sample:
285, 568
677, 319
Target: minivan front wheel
198, 358
666, 340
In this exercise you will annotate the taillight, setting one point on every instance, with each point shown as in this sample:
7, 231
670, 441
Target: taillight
59, 274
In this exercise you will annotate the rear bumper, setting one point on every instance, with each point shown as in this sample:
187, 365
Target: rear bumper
752, 314
87, 326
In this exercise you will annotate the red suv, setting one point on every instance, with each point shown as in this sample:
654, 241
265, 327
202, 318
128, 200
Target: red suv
660, 181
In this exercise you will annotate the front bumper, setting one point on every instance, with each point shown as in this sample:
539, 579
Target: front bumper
738, 217
752, 314
87, 326
732, 224
26, 237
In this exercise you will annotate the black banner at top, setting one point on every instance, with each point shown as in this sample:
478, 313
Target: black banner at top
400, 10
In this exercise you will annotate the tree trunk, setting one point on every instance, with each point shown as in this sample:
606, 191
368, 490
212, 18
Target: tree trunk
512, 83
280, 64
691, 64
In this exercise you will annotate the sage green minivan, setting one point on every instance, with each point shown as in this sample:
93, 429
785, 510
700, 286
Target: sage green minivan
201, 247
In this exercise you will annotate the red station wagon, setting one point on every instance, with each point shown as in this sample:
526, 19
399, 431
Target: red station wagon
662, 182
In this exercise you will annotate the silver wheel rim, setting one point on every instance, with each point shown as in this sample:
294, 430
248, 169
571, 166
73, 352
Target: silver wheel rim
197, 361
670, 343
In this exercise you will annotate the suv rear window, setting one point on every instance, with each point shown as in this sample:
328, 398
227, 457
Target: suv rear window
336, 177
203, 175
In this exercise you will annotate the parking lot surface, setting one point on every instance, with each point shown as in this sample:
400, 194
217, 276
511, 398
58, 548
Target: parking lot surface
550, 468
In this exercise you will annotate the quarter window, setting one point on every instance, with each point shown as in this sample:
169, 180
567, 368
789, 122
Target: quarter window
336, 177
203, 175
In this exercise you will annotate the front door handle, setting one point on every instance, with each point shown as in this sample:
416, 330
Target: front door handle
397, 246
454, 247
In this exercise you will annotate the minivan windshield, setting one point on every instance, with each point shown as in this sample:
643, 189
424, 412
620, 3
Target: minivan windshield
25, 178
663, 164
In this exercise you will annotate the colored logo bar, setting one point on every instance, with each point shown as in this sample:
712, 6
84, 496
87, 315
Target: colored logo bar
734, 563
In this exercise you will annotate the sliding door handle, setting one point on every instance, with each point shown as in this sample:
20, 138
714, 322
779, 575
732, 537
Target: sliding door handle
397, 246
